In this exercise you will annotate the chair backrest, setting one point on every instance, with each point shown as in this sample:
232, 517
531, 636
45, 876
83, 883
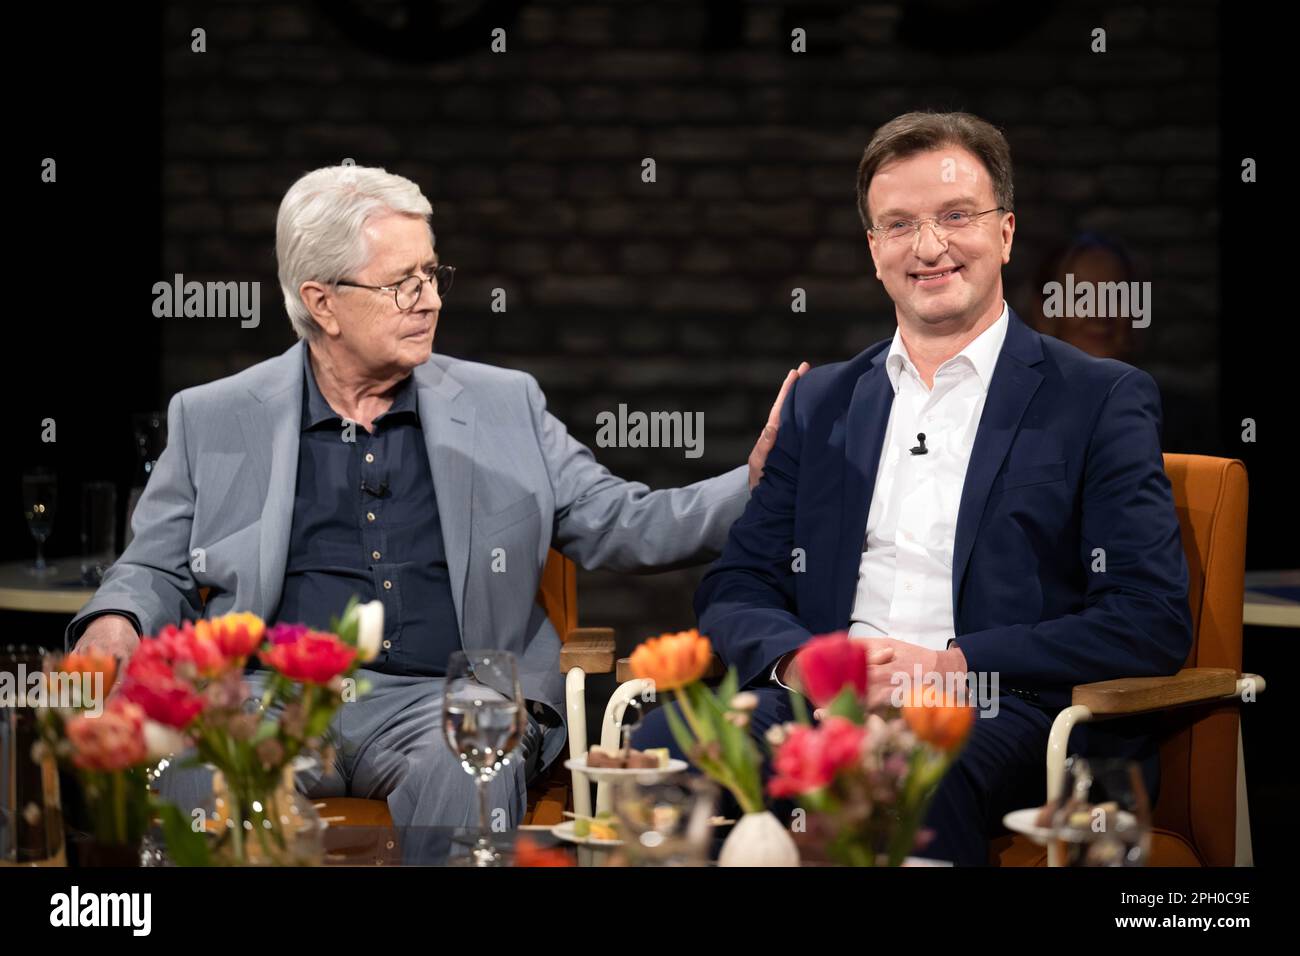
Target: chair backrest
558, 593
1198, 750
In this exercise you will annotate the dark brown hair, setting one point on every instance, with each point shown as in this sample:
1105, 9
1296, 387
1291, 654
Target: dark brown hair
913, 133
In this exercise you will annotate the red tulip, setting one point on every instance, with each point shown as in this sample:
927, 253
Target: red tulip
314, 658
185, 645
285, 633
151, 682
810, 757
828, 664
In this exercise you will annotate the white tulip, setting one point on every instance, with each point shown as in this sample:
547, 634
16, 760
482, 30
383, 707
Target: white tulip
370, 629
162, 741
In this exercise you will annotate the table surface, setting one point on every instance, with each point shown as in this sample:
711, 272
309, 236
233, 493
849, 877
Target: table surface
446, 846
60, 592
1272, 598
440, 846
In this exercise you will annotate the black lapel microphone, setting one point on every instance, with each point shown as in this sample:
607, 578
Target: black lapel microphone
920, 449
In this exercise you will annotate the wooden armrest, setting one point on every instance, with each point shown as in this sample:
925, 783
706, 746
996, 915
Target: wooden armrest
716, 670
1135, 695
591, 648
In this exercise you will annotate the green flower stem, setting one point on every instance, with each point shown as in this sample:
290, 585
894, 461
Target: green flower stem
119, 808
718, 770
683, 701
237, 817
919, 790
268, 696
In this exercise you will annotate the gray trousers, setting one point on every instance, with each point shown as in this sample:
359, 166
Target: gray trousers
389, 745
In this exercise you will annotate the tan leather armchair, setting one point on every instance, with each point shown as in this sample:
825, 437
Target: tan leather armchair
1200, 817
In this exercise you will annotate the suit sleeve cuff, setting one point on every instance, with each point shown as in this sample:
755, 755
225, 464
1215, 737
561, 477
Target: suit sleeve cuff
776, 680
79, 627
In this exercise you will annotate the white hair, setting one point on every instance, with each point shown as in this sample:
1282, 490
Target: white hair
318, 231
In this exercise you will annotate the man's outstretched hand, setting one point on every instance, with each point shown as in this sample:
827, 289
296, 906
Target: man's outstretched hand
758, 457
110, 634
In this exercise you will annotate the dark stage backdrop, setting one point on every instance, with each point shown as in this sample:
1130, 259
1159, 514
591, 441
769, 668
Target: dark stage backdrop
676, 294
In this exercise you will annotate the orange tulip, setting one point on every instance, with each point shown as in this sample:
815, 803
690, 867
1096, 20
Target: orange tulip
237, 634
672, 660
90, 662
943, 723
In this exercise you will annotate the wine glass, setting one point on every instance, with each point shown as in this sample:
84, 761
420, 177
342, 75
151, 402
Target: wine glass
483, 717
40, 499
1102, 816
98, 530
150, 431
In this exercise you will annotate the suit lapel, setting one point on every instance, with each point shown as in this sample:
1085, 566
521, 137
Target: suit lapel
1013, 386
867, 418
279, 416
447, 420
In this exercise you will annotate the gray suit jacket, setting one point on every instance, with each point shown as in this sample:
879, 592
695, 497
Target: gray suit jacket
217, 510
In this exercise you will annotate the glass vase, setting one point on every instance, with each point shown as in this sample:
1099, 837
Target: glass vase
255, 827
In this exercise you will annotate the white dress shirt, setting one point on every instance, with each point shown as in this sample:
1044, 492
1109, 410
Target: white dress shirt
905, 578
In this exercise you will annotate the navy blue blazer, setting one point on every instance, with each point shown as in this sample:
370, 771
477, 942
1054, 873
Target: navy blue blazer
1066, 460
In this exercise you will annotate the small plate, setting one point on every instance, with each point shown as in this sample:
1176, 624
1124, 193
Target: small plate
1022, 821
564, 831
622, 773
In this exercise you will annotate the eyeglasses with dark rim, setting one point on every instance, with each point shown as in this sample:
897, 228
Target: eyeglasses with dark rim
943, 223
407, 292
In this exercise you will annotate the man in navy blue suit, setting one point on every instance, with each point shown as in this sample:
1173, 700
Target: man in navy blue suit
969, 498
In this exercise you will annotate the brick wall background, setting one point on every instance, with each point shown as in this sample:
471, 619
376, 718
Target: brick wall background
676, 294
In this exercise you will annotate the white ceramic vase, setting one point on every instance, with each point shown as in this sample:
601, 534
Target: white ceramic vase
758, 839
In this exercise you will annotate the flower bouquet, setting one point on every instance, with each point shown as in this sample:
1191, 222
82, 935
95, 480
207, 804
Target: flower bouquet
865, 779
107, 746
712, 728
190, 680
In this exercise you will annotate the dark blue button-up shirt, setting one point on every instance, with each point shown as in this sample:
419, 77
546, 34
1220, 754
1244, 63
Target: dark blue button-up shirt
365, 522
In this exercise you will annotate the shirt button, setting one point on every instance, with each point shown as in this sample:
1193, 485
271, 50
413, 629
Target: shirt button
387, 644
370, 516
369, 458
388, 585
375, 555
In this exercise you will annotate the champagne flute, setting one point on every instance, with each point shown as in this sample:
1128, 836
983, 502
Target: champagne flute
40, 499
483, 717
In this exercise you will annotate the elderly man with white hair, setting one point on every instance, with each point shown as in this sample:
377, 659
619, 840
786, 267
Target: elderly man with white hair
360, 463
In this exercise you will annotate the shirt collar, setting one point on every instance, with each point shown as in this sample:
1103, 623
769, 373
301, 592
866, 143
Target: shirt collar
315, 410
981, 353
